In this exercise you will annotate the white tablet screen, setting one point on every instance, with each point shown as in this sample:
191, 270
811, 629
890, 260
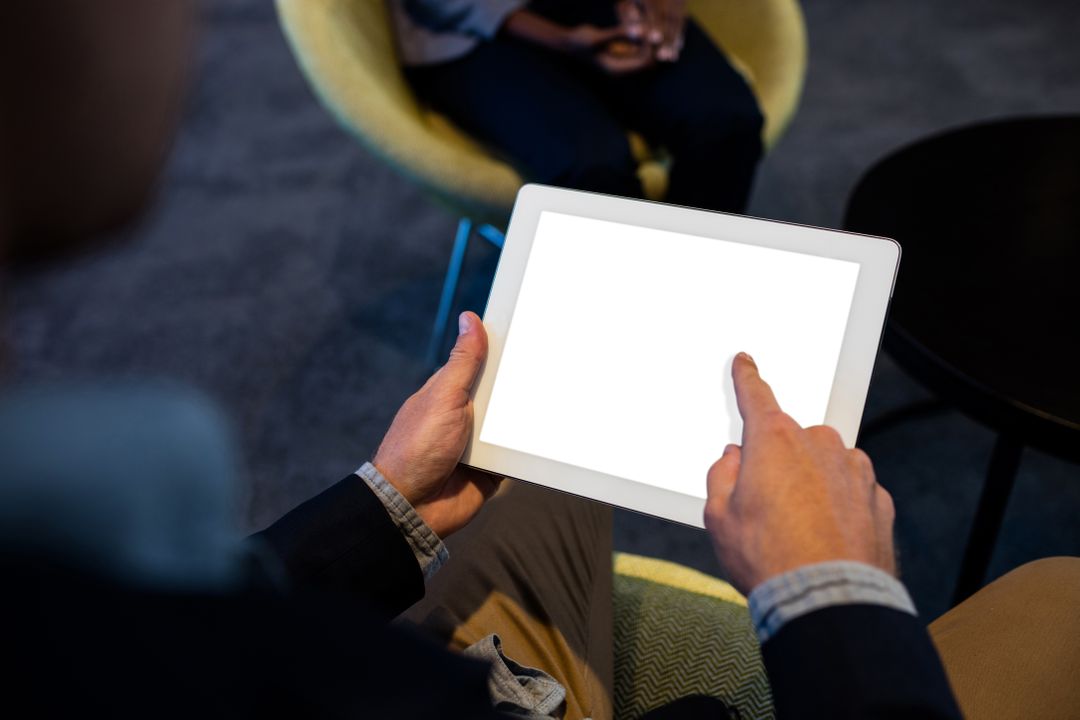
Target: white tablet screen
618, 356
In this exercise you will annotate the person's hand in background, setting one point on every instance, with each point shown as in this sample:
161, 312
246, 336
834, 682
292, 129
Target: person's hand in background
621, 57
585, 41
590, 39
790, 496
661, 22
419, 455
617, 50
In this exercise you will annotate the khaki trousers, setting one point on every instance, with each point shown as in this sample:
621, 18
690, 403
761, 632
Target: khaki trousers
535, 567
1012, 650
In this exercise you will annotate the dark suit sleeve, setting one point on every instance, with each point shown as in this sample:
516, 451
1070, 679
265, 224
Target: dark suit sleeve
343, 540
857, 661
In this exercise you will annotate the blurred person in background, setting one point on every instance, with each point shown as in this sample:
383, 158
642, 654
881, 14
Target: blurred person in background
554, 85
128, 591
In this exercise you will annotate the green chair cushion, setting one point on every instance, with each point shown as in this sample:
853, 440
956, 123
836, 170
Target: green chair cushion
678, 633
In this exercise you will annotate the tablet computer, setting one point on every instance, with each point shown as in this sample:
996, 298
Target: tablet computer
613, 323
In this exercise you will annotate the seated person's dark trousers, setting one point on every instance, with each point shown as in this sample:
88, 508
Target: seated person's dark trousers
563, 121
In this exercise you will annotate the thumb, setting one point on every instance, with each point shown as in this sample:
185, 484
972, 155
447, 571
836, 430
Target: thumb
468, 354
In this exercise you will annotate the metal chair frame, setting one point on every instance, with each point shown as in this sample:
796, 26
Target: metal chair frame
465, 231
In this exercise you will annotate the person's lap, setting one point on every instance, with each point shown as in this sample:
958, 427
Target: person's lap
533, 567
1012, 650
704, 113
564, 122
529, 105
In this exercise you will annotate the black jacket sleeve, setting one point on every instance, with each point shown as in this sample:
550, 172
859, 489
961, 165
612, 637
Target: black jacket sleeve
343, 541
857, 661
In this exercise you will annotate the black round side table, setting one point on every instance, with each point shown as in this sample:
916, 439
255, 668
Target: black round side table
986, 309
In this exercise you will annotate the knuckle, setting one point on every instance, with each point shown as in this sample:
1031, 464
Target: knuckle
887, 504
860, 461
825, 435
717, 468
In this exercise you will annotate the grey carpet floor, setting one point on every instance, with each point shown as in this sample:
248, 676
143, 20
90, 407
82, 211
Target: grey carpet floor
291, 276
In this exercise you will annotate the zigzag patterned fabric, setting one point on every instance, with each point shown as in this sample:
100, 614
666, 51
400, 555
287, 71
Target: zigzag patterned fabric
671, 642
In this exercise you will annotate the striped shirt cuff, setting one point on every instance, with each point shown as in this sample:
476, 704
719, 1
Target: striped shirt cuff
430, 551
783, 598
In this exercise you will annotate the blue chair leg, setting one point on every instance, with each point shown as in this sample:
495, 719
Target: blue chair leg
453, 274
492, 234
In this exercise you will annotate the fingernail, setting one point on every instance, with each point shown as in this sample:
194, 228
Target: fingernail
464, 322
746, 356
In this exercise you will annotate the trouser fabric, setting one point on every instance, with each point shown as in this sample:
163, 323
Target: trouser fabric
1012, 650
534, 567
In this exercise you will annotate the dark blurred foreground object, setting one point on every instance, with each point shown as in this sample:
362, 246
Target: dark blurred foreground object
128, 592
132, 482
985, 307
90, 99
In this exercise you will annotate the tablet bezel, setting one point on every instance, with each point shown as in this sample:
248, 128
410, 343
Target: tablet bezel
878, 259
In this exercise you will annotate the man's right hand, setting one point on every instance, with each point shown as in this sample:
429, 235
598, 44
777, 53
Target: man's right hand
791, 497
